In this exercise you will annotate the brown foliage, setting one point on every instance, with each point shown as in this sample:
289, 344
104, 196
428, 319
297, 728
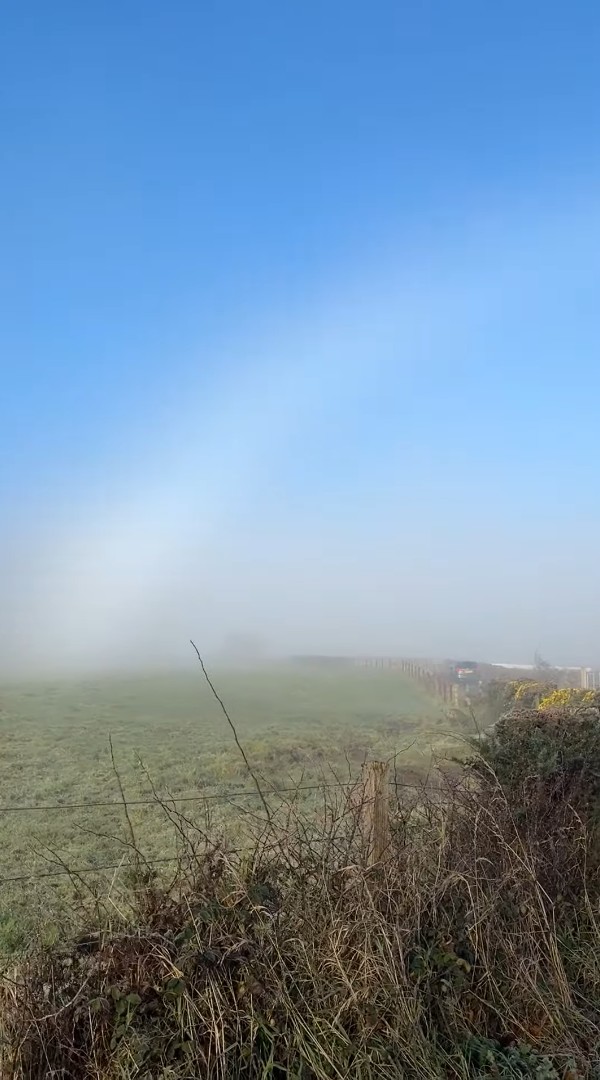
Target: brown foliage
463, 954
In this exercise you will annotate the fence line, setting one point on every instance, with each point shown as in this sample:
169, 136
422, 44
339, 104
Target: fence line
76, 872
160, 800
68, 872
432, 676
374, 797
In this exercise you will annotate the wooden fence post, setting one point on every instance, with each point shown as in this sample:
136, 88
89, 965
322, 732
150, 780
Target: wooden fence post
375, 810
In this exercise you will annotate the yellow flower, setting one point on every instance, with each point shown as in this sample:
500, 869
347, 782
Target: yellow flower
569, 696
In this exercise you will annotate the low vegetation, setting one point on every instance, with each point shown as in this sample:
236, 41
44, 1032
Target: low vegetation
472, 950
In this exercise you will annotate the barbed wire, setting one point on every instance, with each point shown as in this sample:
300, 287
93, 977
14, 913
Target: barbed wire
163, 801
77, 871
160, 800
72, 872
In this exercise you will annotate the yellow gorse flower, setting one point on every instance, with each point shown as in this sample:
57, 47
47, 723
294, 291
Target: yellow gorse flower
566, 696
527, 689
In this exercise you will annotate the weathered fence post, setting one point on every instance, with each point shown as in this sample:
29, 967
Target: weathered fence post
375, 810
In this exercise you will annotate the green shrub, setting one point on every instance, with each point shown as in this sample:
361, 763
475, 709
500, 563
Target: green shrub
546, 764
556, 751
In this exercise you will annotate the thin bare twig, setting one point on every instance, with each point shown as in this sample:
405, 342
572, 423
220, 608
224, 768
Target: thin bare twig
232, 726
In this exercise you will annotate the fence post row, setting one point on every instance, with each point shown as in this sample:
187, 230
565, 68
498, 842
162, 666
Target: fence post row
434, 680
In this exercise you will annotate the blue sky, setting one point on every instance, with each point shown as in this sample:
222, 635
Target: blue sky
299, 328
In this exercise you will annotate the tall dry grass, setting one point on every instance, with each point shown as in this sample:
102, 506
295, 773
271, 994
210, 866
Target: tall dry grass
471, 950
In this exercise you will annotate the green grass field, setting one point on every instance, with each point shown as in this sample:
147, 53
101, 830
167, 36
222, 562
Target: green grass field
169, 732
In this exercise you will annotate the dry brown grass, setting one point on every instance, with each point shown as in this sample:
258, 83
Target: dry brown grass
465, 953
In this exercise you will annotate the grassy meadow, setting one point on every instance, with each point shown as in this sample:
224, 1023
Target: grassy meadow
169, 734
471, 950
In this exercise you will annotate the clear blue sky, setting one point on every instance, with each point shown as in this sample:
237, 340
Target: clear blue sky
321, 276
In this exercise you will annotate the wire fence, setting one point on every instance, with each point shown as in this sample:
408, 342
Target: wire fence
430, 680
159, 800
166, 801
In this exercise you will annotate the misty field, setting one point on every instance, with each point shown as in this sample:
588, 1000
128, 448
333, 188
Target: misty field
169, 736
